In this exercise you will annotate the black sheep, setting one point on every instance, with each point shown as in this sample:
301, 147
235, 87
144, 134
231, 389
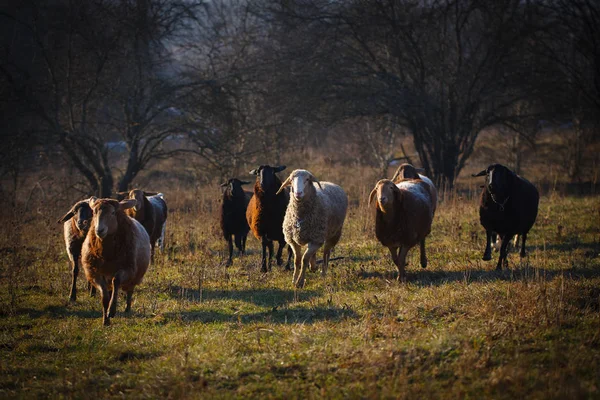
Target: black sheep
266, 212
508, 207
233, 215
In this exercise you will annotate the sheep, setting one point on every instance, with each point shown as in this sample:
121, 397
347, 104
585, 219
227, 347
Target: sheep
508, 206
404, 214
75, 225
233, 215
314, 216
151, 211
115, 254
408, 171
266, 211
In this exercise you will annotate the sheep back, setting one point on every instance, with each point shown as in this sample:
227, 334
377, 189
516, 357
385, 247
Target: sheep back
265, 213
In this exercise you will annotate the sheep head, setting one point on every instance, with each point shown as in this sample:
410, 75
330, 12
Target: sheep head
266, 176
387, 193
302, 184
498, 181
82, 212
233, 187
105, 215
407, 171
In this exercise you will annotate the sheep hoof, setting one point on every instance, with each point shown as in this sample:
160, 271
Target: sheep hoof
279, 262
522, 254
112, 313
228, 263
106, 321
299, 283
486, 257
72, 299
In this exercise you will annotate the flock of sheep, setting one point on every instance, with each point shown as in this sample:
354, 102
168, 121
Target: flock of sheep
114, 241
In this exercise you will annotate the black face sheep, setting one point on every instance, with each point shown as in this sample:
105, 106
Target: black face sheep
233, 215
508, 206
266, 211
76, 224
314, 217
115, 253
151, 211
404, 213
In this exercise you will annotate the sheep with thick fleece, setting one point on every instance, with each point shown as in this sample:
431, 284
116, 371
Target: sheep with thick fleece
403, 218
315, 216
76, 223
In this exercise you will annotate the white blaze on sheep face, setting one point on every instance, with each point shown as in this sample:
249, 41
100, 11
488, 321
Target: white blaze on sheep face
299, 184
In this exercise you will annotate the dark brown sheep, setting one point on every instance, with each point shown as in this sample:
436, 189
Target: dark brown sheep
151, 211
508, 207
233, 215
115, 253
408, 171
403, 218
266, 211
75, 225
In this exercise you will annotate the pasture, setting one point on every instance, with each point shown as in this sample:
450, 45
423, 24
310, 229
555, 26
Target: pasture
457, 329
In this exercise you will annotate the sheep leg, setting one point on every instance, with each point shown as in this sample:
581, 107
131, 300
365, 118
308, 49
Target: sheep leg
287, 264
503, 252
313, 263
487, 254
326, 254
115, 295
401, 263
105, 293
310, 252
263, 266
271, 251
243, 240
279, 257
296, 249
91, 289
523, 239
230, 248
75, 270
129, 296
423, 255
238, 244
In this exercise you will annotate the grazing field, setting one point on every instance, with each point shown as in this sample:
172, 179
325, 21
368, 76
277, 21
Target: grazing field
457, 329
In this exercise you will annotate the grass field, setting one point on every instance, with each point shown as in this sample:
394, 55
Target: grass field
457, 329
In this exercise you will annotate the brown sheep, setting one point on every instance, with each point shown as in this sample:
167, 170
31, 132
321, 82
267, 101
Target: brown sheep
75, 225
151, 211
404, 214
266, 211
115, 253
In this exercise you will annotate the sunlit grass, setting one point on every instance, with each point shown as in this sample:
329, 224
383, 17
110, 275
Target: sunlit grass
456, 329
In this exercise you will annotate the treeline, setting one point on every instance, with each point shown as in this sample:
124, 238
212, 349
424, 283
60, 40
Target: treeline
235, 81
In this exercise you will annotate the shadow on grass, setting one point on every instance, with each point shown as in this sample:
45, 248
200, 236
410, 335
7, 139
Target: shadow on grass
261, 297
425, 277
301, 315
60, 311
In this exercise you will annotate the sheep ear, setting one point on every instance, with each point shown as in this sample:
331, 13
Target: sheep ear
150, 193
253, 172
482, 173
315, 180
92, 201
126, 204
372, 194
123, 193
284, 184
66, 217
245, 182
420, 170
224, 184
279, 168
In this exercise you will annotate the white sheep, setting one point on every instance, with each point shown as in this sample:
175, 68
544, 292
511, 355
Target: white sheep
314, 216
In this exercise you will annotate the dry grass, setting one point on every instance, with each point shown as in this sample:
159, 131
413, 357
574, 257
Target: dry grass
457, 329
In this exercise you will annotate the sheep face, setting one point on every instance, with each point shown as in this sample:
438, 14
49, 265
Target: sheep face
105, 215
302, 183
386, 193
82, 212
266, 176
138, 196
498, 181
233, 187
